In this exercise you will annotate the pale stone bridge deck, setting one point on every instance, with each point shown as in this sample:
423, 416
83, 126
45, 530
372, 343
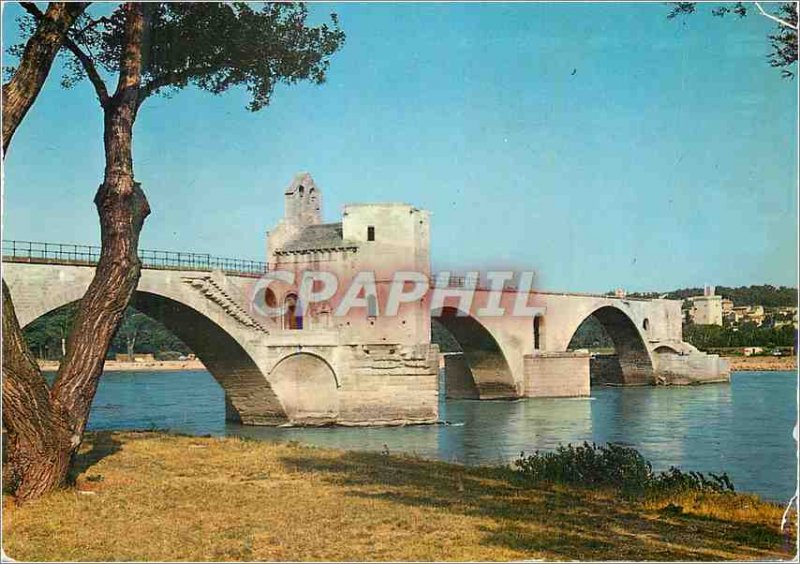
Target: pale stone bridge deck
337, 373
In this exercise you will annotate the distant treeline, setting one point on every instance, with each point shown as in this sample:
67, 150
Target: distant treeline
706, 337
590, 335
765, 295
137, 333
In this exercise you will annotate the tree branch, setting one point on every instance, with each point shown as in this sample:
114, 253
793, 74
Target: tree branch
90, 70
91, 24
130, 63
84, 59
41, 48
775, 18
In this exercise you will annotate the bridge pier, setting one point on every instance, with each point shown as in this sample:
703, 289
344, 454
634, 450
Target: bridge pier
688, 366
557, 374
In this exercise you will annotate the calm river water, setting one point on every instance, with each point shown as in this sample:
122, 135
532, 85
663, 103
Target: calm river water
744, 428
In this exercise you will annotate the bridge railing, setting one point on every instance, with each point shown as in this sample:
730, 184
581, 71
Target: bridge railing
67, 253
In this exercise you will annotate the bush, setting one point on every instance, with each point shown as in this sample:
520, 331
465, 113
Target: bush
614, 466
169, 355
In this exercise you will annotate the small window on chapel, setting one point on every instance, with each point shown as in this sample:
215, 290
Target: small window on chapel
370, 233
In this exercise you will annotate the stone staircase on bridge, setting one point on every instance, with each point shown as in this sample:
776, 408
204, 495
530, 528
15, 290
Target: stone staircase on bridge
216, 288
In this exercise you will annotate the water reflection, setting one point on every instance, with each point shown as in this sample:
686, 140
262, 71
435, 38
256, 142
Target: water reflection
743, 428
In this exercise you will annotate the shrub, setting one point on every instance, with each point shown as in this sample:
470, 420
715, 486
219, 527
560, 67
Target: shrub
614, 466
169, 355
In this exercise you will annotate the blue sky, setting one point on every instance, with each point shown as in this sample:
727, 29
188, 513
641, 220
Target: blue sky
600, 144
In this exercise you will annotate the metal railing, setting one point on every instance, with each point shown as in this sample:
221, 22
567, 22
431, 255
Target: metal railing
467, 282
67, 253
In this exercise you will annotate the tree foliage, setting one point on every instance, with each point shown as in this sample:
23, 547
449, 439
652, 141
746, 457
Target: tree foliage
144, 334
783, 41
212, 46
765, 295
591, 335
44, 335
706, 337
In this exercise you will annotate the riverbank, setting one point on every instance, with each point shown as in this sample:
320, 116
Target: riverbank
737, 363
762, 363
149, 365
149, 496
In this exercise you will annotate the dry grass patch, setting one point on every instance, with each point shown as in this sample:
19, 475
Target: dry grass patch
148, 496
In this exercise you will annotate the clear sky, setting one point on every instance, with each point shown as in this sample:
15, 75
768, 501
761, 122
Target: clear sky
600, 144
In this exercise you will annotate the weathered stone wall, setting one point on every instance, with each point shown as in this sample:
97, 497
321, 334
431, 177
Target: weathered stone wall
605, 369
389, 384
563, 374
459, 381
692, 368
491, 375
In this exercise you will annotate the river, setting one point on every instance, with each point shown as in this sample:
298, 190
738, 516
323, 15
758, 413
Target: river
744, 428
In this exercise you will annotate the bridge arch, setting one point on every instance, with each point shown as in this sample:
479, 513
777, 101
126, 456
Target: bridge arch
249, 397
482, 370
632, 363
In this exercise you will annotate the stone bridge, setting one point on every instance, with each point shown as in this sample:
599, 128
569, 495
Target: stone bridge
533, 356
370, 369
270, 375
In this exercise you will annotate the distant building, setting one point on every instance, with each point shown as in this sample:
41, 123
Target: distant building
749, 314
727, 306
706, 309
728, 317
783, 316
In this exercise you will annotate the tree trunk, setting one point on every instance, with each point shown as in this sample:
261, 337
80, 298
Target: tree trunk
122, 208
131, 343
21, 91
45, 427
38, 442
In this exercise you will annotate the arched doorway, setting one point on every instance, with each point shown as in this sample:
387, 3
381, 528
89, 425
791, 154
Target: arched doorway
307, 387
619, 353
475, 366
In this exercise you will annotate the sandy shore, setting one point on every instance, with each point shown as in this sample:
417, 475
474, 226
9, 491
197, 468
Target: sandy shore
150, 366
759, 363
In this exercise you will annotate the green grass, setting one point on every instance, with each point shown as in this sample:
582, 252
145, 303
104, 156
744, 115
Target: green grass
151, 496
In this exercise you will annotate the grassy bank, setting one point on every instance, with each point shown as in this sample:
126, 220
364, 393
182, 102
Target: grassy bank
147, 496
